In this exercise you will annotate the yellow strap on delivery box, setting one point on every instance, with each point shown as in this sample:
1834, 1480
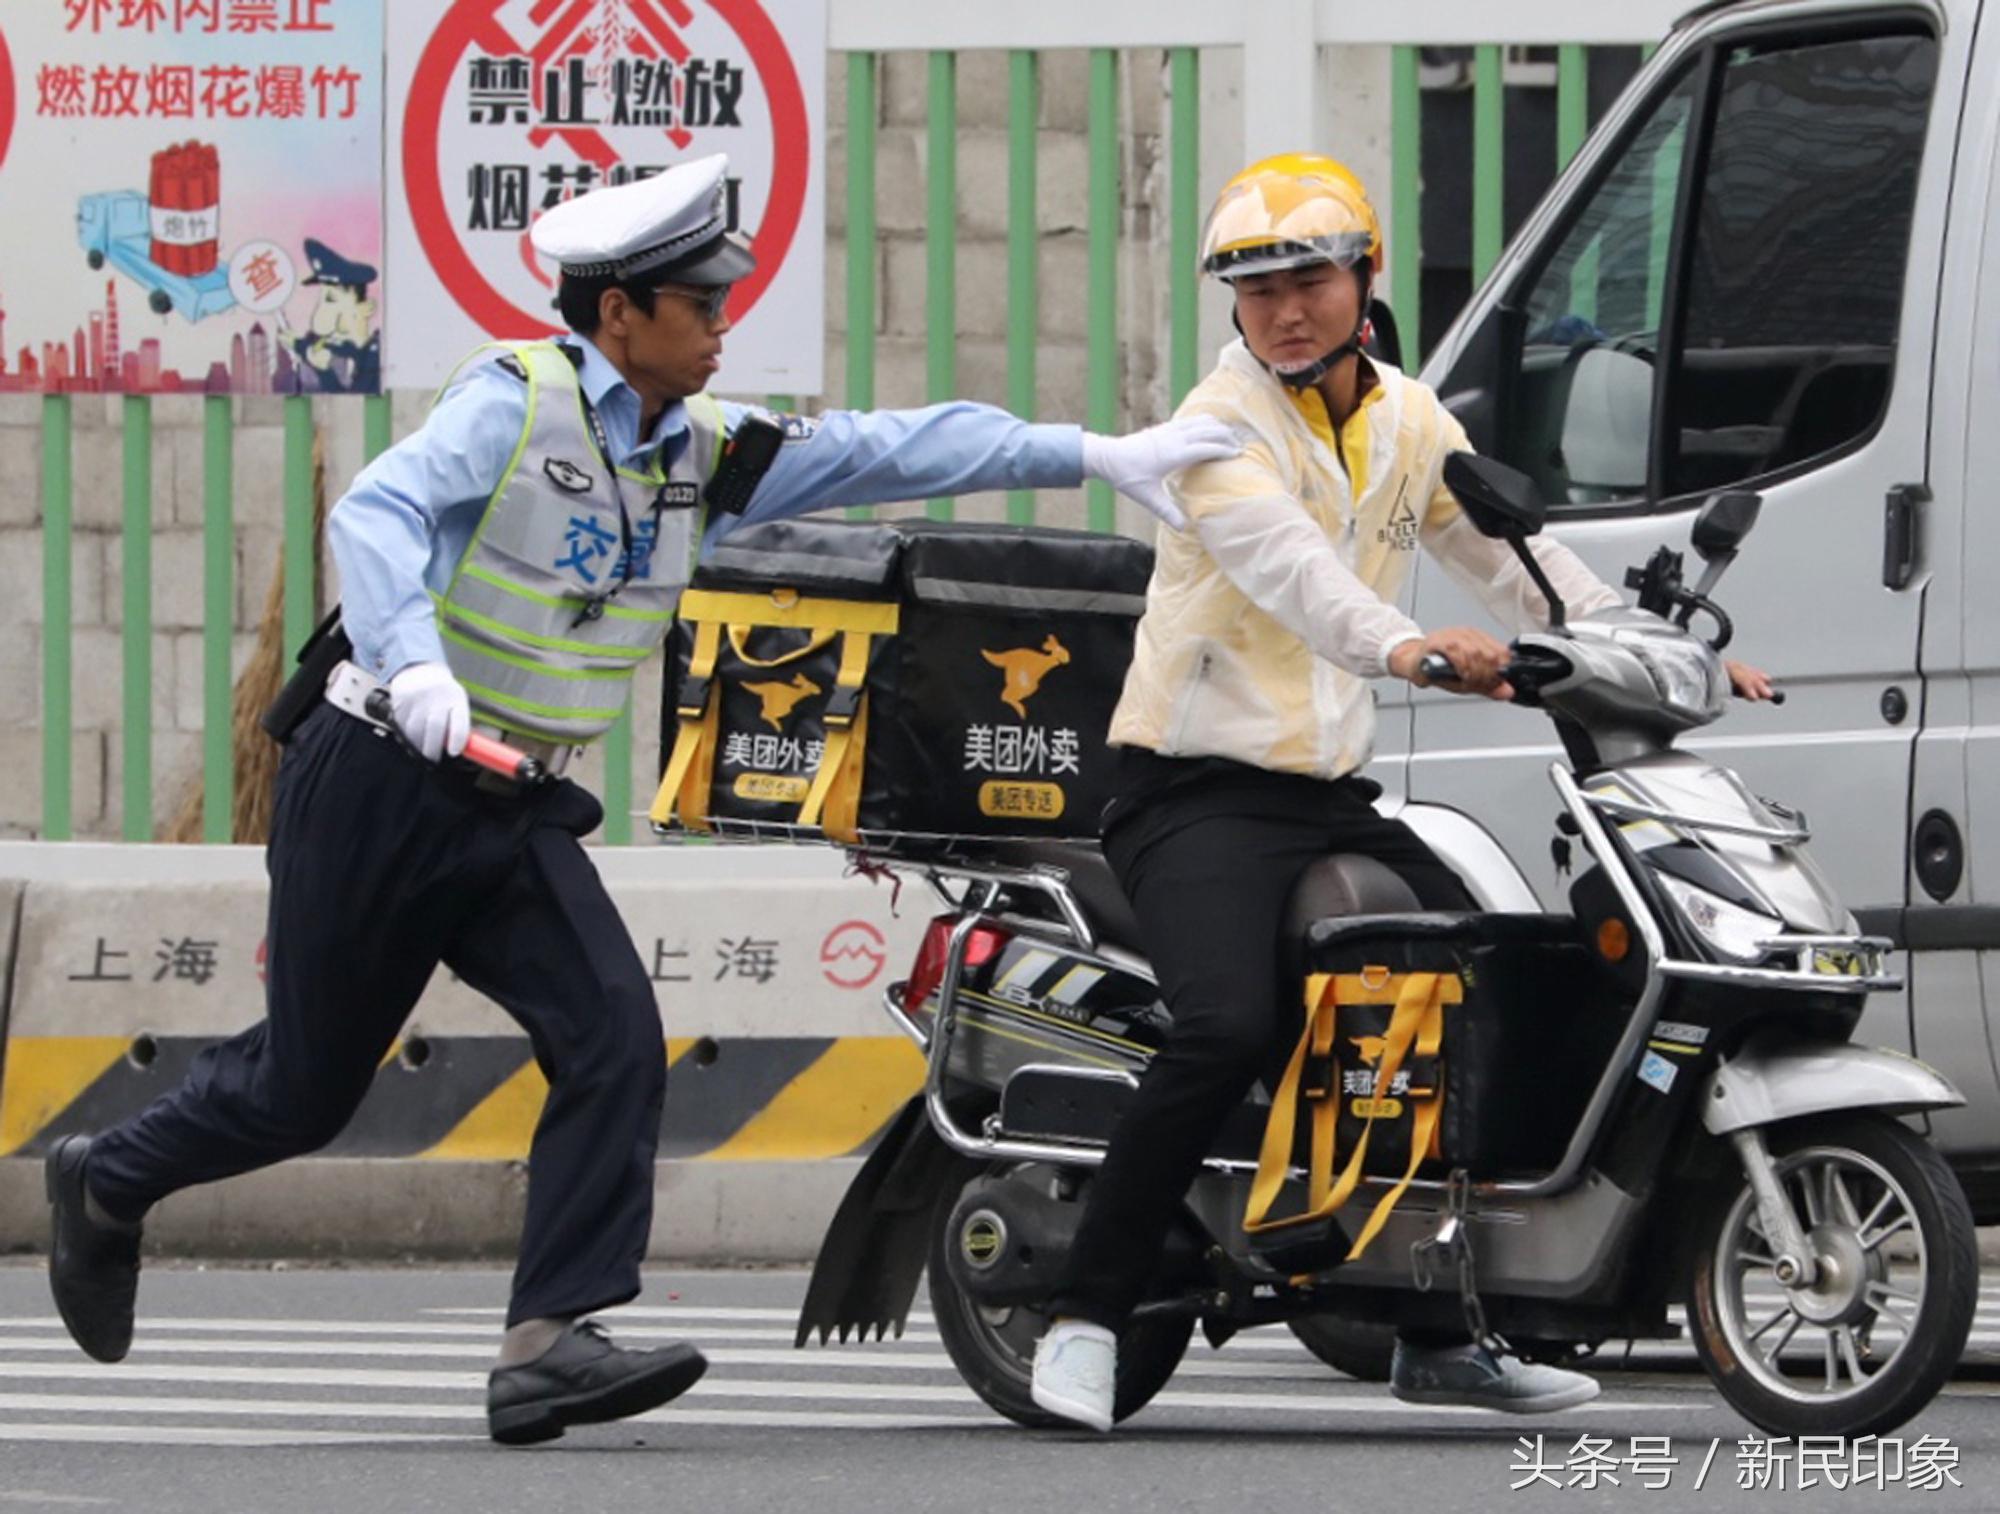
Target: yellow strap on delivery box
1417, 1024
685, 788
785, 608
687, 780
840, 763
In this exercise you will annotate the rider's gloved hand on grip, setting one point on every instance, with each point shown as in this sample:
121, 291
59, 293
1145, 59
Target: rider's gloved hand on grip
1479, 659
1137, 466
431, 709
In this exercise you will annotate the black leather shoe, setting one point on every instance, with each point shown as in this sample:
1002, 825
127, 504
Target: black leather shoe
93, 1268
585, 1380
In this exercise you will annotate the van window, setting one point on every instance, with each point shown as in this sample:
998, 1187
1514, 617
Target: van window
1583, 398
1799, 235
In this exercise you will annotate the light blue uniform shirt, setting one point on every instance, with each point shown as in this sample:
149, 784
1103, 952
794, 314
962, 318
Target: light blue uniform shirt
399, 532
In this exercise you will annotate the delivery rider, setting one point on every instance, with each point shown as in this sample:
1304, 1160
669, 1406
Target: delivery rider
1247, 716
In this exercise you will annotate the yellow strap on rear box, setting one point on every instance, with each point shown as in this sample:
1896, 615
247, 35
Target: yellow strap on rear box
685, 788
784, 608
1418, 1023
843, 737
739, 643
686, 783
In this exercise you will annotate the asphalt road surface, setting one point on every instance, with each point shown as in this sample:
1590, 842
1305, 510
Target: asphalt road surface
333, 1390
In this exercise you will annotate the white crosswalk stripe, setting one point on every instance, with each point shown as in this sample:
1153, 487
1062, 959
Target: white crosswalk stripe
258, 1380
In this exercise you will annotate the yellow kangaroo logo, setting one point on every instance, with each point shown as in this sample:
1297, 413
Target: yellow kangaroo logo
1025, 669
1370, 1047
780, 698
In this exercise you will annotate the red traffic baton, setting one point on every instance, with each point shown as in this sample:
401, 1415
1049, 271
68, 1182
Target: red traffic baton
480, 751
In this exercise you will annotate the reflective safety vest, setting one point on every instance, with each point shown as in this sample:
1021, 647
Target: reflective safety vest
556, 603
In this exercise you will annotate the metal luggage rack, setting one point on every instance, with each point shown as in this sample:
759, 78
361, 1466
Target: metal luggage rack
903, 848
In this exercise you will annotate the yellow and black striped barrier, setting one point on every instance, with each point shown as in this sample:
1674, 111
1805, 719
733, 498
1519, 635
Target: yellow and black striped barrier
477, 1098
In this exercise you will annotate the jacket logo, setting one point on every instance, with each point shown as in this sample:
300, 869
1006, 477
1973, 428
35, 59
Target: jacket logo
779, 699
567, 476
1399, 532
1025, 668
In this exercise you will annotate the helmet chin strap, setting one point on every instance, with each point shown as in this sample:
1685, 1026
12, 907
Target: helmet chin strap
1312, 373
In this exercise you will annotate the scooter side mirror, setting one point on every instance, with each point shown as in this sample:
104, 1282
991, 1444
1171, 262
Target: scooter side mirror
1503, 503
1500, 501
1723, 523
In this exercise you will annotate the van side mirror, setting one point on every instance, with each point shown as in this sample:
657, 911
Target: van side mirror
1503, 503
1723, 523
1500, 501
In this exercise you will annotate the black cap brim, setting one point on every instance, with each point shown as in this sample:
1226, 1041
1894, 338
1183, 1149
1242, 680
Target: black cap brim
722, 261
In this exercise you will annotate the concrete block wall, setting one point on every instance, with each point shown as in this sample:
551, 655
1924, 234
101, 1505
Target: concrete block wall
902, 94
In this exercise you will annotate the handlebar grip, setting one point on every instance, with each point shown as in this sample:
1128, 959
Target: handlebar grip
1437, 668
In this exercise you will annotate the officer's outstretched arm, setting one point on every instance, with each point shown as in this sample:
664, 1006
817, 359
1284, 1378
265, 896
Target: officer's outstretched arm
864, 457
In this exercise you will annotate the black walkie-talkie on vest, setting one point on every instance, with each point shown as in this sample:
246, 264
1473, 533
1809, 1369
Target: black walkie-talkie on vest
746, 458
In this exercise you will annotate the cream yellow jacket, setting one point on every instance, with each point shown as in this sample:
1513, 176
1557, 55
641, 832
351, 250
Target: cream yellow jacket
1265, 619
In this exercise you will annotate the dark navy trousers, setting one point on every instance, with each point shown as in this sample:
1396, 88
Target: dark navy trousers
382, 866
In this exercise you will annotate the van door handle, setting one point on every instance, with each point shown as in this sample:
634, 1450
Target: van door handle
1902, 528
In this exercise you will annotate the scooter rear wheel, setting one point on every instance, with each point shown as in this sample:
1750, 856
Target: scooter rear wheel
994, 1349
1884, 1322
1360, 1348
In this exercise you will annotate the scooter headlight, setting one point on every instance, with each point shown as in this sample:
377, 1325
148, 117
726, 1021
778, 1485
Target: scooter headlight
1686, 672
1734, 931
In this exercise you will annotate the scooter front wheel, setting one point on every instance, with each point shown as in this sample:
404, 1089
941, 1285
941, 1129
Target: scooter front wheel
1870, 1341
994, 1349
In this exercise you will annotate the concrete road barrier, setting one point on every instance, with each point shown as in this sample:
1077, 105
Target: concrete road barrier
768, 965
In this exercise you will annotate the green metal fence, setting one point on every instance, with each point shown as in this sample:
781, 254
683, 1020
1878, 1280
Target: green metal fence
1184, 209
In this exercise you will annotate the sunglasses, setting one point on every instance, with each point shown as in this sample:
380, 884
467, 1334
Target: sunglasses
713, 300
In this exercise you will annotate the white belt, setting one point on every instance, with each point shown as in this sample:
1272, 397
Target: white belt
348, 688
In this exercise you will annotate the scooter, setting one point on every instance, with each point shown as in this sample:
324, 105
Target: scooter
1684, 1119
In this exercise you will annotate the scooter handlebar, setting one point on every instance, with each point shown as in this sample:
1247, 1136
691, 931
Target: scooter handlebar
1437, 668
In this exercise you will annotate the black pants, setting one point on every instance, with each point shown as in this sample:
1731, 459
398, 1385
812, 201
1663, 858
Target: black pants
1208, 866
381, 867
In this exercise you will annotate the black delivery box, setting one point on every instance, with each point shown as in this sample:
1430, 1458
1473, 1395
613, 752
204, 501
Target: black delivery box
866, 681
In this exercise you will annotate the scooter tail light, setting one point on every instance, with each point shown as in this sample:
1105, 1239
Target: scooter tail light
927, 973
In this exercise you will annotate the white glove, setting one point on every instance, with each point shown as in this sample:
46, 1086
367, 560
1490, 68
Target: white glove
431, 709
1137, 465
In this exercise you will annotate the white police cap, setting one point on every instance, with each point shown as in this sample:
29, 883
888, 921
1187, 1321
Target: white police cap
672, 226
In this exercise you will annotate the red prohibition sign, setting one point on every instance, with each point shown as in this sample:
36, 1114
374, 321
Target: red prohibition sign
475, 23
6, 98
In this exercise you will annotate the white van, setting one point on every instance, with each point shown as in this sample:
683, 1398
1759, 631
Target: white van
1770, 269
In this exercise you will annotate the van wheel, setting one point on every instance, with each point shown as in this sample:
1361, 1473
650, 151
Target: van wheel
1875, 1336
1360, 1348
994, 1349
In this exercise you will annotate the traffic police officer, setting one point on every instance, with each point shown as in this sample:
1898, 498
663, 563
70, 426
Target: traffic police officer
505, 570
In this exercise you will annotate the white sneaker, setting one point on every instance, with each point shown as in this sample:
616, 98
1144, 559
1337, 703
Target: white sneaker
1076, 1372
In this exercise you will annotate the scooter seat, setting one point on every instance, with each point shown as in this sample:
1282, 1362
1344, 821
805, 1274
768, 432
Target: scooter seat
1455, 928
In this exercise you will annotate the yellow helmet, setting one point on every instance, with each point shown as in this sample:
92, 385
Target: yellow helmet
1289, 211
